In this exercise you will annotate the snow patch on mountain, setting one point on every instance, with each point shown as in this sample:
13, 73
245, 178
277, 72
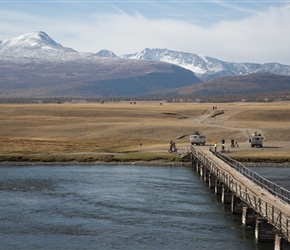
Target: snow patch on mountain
205, 67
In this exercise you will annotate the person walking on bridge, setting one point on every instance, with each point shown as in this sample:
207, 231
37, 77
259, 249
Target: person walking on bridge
223, 144
215, 147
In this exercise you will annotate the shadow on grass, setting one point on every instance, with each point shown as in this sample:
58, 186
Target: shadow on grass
271, 147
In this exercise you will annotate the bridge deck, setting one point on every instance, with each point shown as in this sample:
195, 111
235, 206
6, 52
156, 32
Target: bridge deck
249, 185
261, 197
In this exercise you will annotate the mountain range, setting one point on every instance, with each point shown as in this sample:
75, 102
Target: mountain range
207, 68
34, 65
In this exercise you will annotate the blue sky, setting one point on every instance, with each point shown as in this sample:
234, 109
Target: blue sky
235, 31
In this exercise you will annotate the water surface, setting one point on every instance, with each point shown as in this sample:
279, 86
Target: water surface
115, 207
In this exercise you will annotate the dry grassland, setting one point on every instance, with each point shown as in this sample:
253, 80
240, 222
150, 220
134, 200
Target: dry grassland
91, 132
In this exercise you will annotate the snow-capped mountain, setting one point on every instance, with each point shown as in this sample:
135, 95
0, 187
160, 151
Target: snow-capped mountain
106, 53
33, 40
205, 67
38, 46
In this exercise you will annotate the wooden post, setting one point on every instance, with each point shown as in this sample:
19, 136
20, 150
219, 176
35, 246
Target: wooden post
193, 162
281, 243
236, 205
226, 195
218, 187
205, 174
264, 231
197, 166
201, 170
211, 180
249, 216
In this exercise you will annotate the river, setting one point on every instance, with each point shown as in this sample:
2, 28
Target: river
115, 207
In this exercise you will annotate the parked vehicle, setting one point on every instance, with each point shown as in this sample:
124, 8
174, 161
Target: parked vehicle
256, 140
197, 139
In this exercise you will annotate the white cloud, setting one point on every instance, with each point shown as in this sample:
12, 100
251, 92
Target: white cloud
263, 37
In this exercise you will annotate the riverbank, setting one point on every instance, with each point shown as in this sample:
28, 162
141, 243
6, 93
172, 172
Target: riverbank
113, 163
145, 163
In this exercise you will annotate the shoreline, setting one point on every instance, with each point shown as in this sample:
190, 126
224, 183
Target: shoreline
72, 163
145, 163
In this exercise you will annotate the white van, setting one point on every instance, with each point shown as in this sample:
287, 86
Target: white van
256, 140
197, 139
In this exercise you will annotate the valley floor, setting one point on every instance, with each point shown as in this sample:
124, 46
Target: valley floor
94, 132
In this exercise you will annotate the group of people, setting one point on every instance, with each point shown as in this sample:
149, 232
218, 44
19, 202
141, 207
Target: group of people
172, 147
223, 141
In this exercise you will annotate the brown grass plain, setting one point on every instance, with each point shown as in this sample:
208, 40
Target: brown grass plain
90, 132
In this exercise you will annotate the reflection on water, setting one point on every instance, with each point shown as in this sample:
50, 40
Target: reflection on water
115, 207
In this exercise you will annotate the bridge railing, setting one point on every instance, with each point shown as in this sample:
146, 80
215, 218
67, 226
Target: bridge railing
266, 209
271, 187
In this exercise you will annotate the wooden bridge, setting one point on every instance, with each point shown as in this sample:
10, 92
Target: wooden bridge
262, 203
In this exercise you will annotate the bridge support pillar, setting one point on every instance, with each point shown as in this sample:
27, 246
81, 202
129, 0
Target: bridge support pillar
249, 216
205, 174
211, 180
236, 205
226, 195
218, 187
198, 166
202, 170
193, 162
281, 243
264, 231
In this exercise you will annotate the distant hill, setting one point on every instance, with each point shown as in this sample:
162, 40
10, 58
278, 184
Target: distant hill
119, 78
242, 85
